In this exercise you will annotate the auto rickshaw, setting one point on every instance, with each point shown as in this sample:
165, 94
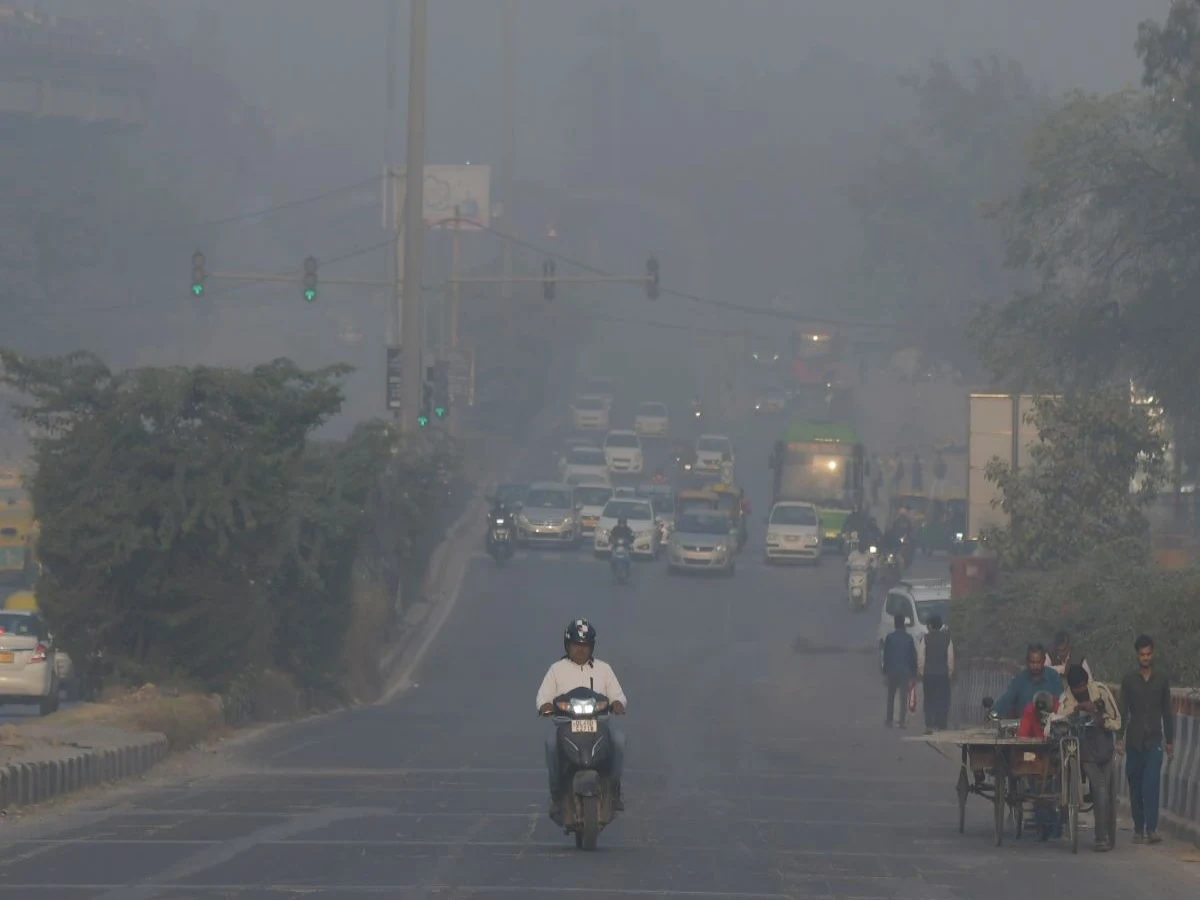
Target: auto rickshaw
686, 501
942, 529
730, 501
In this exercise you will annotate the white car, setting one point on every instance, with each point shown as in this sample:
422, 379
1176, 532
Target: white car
916, 599
794, 532
652, 419
579, 463
623, 451
590, 413
711, 451
591, 497
604, 387
639, 516
28, 661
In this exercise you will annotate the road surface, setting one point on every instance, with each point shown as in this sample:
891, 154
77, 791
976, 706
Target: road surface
759, 768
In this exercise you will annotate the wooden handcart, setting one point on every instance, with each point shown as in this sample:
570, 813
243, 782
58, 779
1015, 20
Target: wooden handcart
1018, 774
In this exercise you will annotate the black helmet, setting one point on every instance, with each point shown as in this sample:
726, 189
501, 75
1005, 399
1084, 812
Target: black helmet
621, 520
581, 631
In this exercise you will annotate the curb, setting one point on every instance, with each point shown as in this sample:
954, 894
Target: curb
25, 784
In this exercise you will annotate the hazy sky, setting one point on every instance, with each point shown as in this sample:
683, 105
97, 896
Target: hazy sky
319, 61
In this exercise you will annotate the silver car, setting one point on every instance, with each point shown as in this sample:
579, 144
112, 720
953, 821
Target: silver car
702, 542
549, 515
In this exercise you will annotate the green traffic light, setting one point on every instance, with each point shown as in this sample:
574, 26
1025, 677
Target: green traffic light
422, 420
197, 289
439, 411
310, 295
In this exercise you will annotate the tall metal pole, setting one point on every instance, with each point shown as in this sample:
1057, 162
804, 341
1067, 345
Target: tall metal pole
414, 226
510, 140
455, 292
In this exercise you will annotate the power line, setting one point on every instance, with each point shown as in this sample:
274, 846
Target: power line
270, 210
217, 292
684, 295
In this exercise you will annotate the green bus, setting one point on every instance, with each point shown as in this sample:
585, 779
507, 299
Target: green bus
824, 464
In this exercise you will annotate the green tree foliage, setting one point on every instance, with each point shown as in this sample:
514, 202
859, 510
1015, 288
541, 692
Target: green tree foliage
930, 255
1074, 494
1103, 600
1108, 222
189, 528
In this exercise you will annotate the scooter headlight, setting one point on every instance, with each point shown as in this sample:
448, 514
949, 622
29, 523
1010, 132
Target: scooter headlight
958, 536
874, 549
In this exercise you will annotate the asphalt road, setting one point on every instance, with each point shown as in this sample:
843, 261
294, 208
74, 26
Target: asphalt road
758, 768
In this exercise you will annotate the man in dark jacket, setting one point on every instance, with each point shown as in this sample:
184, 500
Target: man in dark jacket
899, 667
1149, 734
935, 665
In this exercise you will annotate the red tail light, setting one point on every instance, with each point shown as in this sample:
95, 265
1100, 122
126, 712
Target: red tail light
39, 654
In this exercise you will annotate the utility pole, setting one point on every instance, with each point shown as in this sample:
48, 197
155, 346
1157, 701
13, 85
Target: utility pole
455, 266
413, 240
507, 161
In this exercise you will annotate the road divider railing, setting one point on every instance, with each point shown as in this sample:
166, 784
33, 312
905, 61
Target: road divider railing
1180, 801
66, 770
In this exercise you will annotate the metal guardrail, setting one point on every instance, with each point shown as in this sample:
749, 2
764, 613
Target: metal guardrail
1180, 801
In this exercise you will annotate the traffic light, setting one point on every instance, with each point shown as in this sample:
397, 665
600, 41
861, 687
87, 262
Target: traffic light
441, 388
198, 274
652, 278
426, 398
548, 268
310, 279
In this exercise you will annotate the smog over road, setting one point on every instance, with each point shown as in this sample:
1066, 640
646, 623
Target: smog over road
755, 459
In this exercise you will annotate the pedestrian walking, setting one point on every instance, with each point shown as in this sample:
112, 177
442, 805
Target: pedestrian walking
935, 666
1149, 733
939, 476
1097, 748
917, 479
899, 667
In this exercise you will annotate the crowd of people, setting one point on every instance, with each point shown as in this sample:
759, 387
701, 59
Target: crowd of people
1137, 724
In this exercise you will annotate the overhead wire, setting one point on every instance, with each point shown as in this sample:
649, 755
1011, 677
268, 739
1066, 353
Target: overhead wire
292, 204
684, 295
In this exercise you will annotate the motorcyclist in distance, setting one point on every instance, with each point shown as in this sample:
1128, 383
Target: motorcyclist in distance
622, 532
577, 668
659, 477
872, 535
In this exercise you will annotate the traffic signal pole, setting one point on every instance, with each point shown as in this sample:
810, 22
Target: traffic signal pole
414, 225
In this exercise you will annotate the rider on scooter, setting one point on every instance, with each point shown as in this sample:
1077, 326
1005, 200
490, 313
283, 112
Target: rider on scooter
579, 668
622, 532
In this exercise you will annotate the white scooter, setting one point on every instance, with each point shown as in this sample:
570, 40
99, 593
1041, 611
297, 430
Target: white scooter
857, 584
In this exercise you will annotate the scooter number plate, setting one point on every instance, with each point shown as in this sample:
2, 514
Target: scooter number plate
583, 726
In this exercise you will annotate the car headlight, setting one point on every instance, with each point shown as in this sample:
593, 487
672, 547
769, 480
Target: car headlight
773, 536
601, 534
569, 520
721, 549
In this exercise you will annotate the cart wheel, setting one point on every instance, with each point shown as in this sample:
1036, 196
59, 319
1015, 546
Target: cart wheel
1074, 796
963, 790
1001, 806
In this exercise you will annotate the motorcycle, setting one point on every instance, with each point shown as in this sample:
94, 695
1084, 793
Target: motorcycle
893, 567
621, 563
500, 539
584, 758
857, 587
697, 414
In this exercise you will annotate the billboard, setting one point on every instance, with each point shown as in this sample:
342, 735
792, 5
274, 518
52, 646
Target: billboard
466, 187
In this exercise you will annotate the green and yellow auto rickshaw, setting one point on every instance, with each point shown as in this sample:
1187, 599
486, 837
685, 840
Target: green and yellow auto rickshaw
943, 527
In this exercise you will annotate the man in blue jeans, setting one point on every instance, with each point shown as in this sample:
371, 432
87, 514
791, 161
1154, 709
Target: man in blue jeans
1149, 730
